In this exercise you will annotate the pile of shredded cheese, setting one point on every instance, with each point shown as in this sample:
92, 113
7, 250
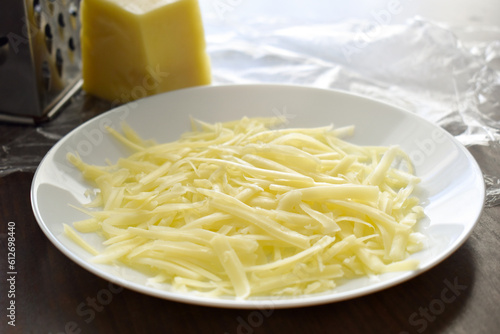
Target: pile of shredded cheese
245, 208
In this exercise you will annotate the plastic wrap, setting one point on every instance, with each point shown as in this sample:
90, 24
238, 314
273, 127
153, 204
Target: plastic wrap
420, 66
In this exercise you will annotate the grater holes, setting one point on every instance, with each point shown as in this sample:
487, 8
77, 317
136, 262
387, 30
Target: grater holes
73, 14
59, 62
49, 37
71, 44
71, 49
73, 9
61, 21
37, 12
37, 7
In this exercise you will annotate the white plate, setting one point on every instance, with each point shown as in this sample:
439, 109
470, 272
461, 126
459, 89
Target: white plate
452, 187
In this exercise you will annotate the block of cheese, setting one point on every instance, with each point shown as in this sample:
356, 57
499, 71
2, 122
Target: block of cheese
135, 48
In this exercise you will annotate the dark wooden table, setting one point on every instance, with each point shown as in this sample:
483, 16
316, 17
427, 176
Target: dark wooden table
55, 295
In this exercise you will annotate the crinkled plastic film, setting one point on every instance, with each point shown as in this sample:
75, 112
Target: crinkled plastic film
420, 66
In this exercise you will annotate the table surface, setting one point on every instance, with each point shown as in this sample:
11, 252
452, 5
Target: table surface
55, 295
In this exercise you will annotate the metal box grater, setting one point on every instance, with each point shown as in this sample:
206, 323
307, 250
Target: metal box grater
40, 64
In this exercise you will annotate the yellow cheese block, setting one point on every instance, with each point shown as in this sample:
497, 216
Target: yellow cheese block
135, 48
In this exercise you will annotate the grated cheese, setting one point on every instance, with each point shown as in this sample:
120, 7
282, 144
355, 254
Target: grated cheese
239, 208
